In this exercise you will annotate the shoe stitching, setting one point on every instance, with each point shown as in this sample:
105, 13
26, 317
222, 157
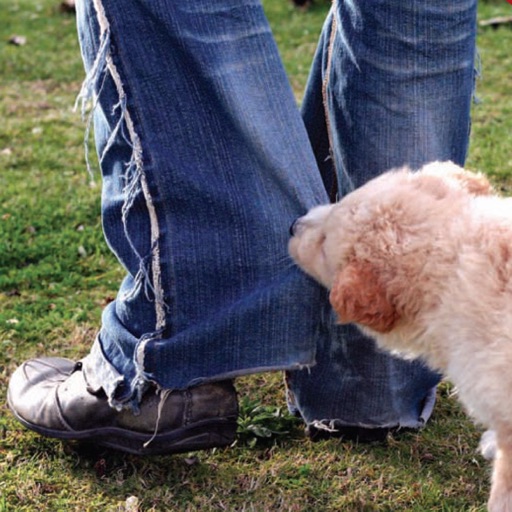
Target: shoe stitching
65, 424
77, 367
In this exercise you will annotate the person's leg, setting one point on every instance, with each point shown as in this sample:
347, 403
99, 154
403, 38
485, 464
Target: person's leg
205, 164
391, 85
201, 221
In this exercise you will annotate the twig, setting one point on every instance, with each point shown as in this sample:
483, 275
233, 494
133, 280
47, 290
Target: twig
496, 22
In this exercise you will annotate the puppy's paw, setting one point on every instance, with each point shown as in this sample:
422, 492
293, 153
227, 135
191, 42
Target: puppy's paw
488, 445
501, 488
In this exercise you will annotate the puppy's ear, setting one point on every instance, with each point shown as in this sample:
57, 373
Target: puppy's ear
474, 183
477, 184
357, 296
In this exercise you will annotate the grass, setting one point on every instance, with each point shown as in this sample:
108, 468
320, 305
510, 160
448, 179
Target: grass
56, 274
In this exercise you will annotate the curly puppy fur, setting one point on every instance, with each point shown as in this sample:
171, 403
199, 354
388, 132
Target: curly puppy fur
422, 262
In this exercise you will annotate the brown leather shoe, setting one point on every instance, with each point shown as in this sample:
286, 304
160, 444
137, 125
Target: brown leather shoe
51, 397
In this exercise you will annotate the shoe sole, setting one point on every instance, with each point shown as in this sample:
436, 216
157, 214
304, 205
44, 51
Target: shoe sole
202, 435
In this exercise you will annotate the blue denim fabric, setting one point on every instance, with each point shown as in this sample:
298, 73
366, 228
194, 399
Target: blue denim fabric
206, 162
398, 79
391, 85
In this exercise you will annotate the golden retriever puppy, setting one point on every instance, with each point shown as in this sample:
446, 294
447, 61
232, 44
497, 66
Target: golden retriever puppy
422, 262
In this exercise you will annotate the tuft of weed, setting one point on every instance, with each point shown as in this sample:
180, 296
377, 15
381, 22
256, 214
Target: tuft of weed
263, 424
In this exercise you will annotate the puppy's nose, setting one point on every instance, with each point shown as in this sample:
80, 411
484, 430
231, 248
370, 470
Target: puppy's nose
293, 227
297, 227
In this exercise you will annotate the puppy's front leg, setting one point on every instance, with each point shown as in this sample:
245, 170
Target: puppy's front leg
501, 490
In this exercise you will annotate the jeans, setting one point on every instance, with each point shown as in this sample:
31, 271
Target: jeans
206, 161
391, 85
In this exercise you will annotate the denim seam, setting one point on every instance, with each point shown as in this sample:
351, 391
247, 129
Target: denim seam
335, 32
150, 273
139, 175
325, 86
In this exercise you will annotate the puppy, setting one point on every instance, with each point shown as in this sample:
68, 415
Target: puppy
422, 262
